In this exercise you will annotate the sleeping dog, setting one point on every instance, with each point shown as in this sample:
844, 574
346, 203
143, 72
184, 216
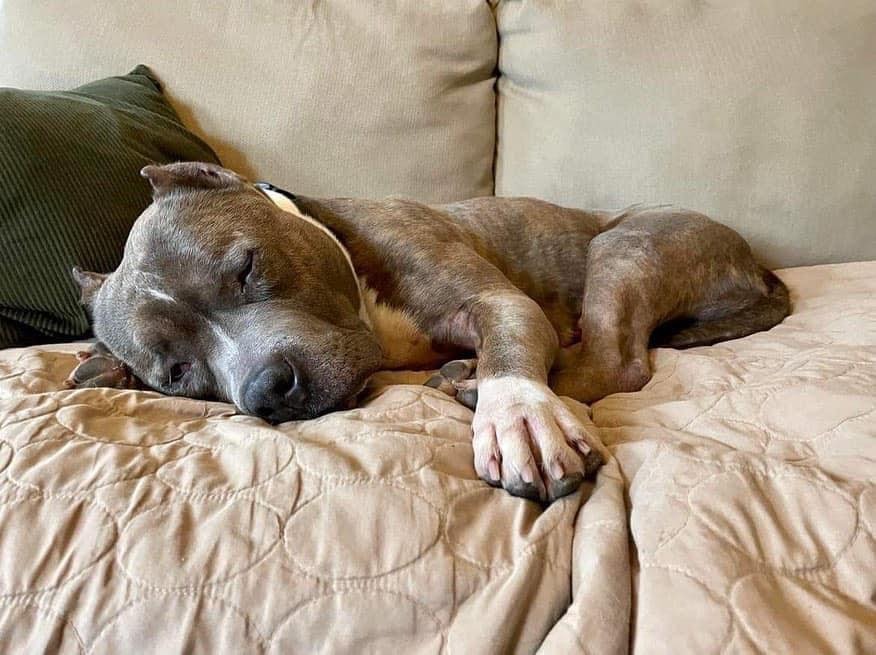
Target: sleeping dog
286, 305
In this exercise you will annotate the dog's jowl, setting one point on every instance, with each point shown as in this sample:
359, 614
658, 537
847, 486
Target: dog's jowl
286, 305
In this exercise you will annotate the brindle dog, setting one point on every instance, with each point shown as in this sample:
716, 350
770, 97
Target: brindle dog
286, 306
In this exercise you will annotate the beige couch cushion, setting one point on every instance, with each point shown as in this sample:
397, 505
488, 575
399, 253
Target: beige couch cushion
326, 98
762, 114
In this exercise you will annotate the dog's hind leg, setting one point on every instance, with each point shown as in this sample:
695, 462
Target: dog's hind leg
753, 312
615, 323
615, 361
685, 278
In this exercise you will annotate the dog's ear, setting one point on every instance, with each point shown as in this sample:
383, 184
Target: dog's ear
89, 284
190, 174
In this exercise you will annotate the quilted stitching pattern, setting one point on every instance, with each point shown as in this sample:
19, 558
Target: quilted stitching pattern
751, 468
130, 518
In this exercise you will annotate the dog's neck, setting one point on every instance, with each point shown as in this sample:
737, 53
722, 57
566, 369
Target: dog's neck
286, 202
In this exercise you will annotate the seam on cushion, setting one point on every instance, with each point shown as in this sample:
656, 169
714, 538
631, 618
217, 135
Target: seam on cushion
523, 552
183, 594
762, 439
248, 493
310, 571
246, 436
165, 508
784, 468
614, 523
362, 477
357, 413
429, 395
114, 414
442, 628
769, 382
377, 481
113, 523
42, 490
13, 451
651, 463
531, 550
721, 598
668, 538
825, 433
863, 517
51, 396
685, 571
190, 491
786, 474
18, 602
360, 582
664, 373
206, 593
750, 632
497, 75
719, 397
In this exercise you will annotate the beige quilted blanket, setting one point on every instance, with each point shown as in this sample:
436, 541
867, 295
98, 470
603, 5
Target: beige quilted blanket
738, 514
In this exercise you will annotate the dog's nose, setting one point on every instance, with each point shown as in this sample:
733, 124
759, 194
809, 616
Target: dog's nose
276, 393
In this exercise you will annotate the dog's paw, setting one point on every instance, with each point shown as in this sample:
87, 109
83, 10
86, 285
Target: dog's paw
99, 368
458, 378
526, 440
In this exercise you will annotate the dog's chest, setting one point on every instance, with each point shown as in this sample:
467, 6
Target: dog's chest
404, 344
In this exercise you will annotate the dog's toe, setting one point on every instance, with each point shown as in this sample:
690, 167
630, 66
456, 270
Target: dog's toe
564, 486
468, 397
592, 462
530, 490
456, 378
441, 383
459, 369
92, 367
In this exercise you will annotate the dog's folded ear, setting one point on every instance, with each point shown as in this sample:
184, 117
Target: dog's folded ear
89, 284
190, 174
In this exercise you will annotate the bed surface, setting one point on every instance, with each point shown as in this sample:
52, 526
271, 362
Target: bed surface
737, 513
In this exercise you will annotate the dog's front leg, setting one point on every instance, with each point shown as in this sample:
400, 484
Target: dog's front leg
524, 437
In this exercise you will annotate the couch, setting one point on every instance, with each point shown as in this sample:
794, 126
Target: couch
737, 509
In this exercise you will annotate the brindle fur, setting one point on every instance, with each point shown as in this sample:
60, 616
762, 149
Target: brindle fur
605, 285
533, 289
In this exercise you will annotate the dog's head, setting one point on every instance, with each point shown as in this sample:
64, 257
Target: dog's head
223, 295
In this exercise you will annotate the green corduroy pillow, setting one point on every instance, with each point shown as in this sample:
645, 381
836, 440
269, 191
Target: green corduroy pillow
70, 188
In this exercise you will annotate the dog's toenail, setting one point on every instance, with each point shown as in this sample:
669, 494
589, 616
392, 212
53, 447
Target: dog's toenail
468, 397
527, 474
435, 381
582, 446
493, 467
456, 370
565, 487
557, 471
592, 461
521, 490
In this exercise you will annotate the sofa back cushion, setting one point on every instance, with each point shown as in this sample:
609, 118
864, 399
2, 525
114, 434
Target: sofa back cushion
760, 114
325, 98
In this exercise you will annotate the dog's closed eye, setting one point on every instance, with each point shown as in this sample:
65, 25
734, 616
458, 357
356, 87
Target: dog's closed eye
246, 273
178, 371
